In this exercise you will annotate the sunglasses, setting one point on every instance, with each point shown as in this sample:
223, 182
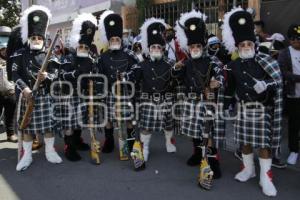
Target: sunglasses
156, 46
33, 38
83, 47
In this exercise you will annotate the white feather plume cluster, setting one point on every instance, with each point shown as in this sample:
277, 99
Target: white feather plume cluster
24, 19
227, 36
76, 28
101, 27
144, 35
180, 34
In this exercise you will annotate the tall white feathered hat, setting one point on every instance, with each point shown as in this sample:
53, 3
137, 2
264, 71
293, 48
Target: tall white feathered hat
110, 25
83, 30
191, 29
238, 26
152, 32
34, 22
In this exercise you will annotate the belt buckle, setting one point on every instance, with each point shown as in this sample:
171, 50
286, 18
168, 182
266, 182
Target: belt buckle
210, 96
192, 95
156, 97
144, 95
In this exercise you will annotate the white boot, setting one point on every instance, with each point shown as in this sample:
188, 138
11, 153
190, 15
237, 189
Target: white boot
145, 139
171, 148
50, 152
266, 177
249, 169
26, 159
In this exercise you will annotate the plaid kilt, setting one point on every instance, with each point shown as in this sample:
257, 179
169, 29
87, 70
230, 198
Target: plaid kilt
68, 114
111, 105
156, 115
178, 108
253, 127
41, 117
193, 118
179, 98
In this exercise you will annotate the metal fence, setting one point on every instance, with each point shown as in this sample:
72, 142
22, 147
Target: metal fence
170, 11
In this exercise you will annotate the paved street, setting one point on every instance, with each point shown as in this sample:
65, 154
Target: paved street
166, 177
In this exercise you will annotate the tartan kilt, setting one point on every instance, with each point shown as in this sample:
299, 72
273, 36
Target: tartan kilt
253, 127
179, 98
68, 114
41, 117
111, 104
156, 115
192, 119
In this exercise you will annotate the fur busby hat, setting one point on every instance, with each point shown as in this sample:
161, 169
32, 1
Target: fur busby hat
83, 30
110, 25
152, 32
294, 31
238, 26
34, 21
191, 29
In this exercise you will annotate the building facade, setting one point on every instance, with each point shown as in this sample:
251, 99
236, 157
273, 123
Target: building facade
65, 11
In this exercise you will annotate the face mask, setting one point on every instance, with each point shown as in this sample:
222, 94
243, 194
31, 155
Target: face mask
155, 56
36, 45
196, 55
213, 51
114, 47
246, 54
82, 54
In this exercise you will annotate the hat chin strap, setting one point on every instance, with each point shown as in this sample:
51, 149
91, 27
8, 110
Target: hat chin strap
154, 56
115, 47
35, 47
196, 55
246, 54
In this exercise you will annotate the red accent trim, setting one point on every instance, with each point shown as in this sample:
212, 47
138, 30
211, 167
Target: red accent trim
173, 141
270, 175
242, 167
65, 147
22, 153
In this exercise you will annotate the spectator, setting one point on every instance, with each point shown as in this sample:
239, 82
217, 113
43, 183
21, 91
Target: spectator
259, 27
289, 60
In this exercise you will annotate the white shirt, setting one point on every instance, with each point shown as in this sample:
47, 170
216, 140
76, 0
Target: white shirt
295, 56
170, 47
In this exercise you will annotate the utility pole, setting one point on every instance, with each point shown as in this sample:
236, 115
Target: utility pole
256, 5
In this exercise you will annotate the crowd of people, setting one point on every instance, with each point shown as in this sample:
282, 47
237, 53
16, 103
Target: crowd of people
247, 74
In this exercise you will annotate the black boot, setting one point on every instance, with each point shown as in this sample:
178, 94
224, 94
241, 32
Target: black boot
79, 143
109, 143
196, 158
70, 150
213, 160
130, 138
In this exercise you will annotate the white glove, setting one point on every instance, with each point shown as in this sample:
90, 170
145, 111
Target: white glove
260, 86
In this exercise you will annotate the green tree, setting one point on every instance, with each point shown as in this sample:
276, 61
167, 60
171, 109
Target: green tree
10, 12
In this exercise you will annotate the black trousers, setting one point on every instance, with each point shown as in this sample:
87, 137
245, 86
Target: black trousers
293, 111
9, 105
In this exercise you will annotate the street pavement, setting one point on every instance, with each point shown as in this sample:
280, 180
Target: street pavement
166, 177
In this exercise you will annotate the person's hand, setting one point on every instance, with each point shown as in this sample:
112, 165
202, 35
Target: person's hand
214, 84
42, 76
260, 86
178, 65
27, 93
